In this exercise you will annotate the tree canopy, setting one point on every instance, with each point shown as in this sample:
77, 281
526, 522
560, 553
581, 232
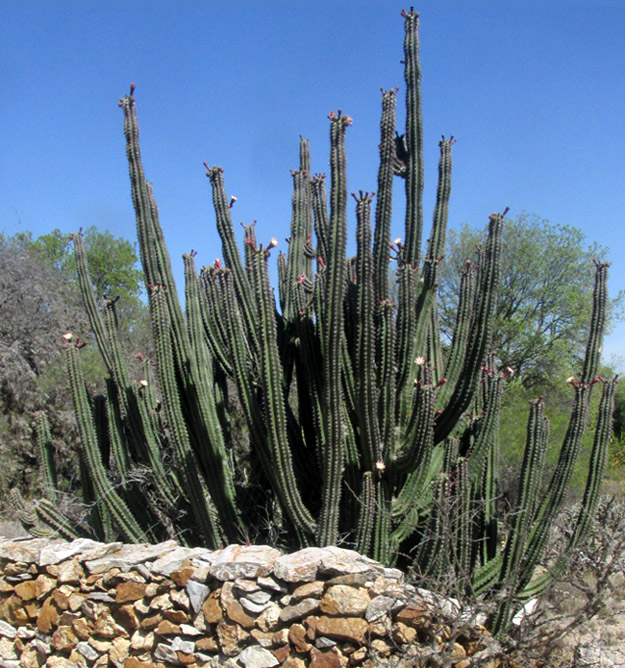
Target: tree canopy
112, 261
545, 300
39, 302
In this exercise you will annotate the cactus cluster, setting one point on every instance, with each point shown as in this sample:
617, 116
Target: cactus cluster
362, 428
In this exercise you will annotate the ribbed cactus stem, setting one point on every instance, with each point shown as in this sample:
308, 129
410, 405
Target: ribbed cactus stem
46, 455
273, 394
365, 376
179, 435
384, 202
106, 494
332, 338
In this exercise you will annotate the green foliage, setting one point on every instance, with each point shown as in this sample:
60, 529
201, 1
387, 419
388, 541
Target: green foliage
112, 261
545, 299
360, 430
39, 302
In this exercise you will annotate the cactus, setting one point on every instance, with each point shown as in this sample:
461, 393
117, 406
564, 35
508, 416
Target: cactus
361, 428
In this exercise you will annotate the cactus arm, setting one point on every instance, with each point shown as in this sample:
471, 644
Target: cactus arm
106, 493
333, 338
422, 320
229, 245
384, 202
479, 336
413, 140
455, 359
364, 371
180, 440
46, 455
212, 449
598, 461
320, 214
273, 399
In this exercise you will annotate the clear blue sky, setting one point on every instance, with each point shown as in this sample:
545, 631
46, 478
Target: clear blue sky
535, 97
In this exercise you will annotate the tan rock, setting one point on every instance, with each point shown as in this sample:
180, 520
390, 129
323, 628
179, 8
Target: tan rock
48, 616
16, 568
358, 656
166, 628
458, 651
63, 639
141, 607
231, 637
177, 616
7, 650
83, 628
181, 576
35, 589
345, 600
69, 572
78, 659
100, 646
280, 637
311, 626
161, 602
237, 614
325, 659
463, 663
150, 623
412, 615
185, 659
294, 662
31, 609
381, 627
135, 662
403, 634
298, 638
29, 658
141, 640
119, 651
381, 647
266, 638
308, 590
59, 662
281, 653
207, 644
269, 618
75, 601
180, 598
128, 592
102, 662
351, 629
105, 627
125, 616
211, 609
60, 598
293, 613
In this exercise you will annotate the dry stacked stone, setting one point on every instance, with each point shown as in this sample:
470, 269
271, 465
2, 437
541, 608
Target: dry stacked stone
91, 604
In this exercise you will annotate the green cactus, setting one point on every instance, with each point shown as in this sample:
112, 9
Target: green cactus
360, 427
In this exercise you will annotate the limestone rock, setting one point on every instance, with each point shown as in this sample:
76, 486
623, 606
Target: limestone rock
305, 607
351, 629
197, 593
257, 657
7, 630
345, 600
243, 561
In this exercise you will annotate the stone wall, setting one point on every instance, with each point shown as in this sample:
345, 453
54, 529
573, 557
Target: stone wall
91, 604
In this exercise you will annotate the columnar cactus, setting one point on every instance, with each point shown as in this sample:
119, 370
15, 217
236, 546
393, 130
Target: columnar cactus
361, 428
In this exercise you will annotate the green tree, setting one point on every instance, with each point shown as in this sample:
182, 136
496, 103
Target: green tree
112, 262
39, 302
545, 298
